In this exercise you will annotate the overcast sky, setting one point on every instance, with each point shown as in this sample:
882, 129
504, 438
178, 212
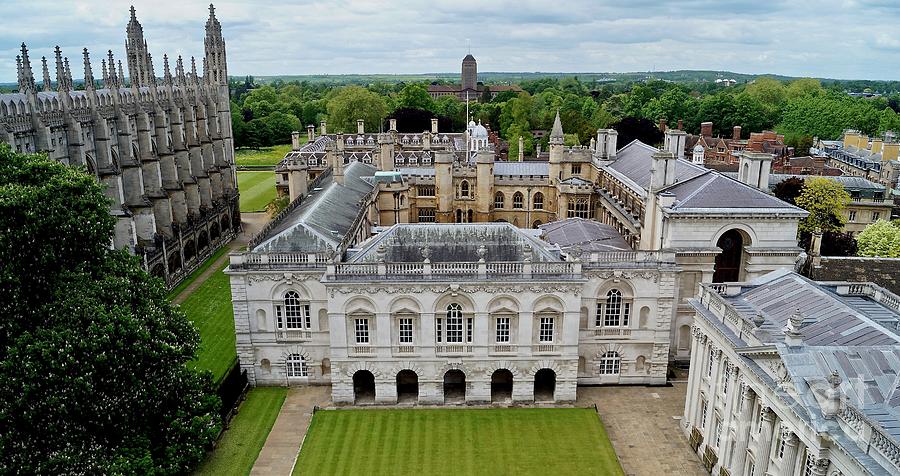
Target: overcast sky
855, 39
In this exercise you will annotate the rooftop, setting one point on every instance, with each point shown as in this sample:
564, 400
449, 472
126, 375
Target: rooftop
578, 235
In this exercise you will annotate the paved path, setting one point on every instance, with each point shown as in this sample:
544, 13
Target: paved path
280, 451
252, 223
640, 424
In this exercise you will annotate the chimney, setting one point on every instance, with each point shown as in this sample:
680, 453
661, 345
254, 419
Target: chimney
537, 150
600, 144
521, 149
434, 125
323, 130
662, 170
392, 124
680, 125
706, 129
754, 169
662, 125
611, 137
337, 165
310, 132
295, 140
360, 126
675, 141
890, 151
736, 133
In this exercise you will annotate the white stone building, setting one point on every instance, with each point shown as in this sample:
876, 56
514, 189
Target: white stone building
794, 377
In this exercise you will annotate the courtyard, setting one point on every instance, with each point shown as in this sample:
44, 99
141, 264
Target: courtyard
520, 441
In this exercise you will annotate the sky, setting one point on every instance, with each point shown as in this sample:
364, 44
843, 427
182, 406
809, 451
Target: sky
847, 39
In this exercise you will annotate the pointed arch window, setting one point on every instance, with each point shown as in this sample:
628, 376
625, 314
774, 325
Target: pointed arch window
499, 200
464, 189
610, 363
538, 201
518, 200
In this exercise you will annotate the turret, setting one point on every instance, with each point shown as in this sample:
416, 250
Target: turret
434, 125
557, 145
88, 72
46, 71
310, 133
214, 48
26, 76
337, 160
136, 54
443, 183
484, 177
360, 126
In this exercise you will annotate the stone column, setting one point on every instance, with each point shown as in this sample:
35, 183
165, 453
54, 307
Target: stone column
789, 460
713, 396
743, 430
764, 444
730, 407
693, 390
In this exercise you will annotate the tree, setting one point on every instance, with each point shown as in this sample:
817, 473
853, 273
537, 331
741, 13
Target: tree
770, 92
279, 127
631, 128
804, 87
92, 354
789, 189
415, 96
881, 238
347, 105
825, 200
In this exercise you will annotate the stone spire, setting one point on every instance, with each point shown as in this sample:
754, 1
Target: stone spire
195, 80
136, 53
46, 85
179, 72
167, 73
88, 73
121, 75
556, 134
26, 75
214, 50
70, 84
61, 83
105, 73
112, 80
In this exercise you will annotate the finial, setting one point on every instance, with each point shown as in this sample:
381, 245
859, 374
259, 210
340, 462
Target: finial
105, 73
26, 83
68, 74
133, 15
88, 73
46, 74
60, 70
212, 10
167, 73
121, 74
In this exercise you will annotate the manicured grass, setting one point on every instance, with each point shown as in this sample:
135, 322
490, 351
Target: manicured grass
264, 155
257, 190
513, 441
242, 441
197, 272
209, 308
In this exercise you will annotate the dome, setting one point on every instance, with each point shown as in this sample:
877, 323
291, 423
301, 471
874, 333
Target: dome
471, 124
480, 131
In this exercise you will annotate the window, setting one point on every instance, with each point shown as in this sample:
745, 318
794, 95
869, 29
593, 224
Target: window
498, 200
545, 334
717, 431
517, 200
464, 189
454, 324
615, 311
296, 366
579, 208
709, 363
702, 413
296, 313
725, 382
502, 330
538, 201
406, 330
426, 215
576, 169
610, 363
780, 446
751, 466
362, 330
425, 190
852, 215
876, 216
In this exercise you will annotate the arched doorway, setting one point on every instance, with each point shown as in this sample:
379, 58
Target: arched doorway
544, 385
454, 386
728, 262
363, 387
470, 217
501, 386
459, 215
407, 386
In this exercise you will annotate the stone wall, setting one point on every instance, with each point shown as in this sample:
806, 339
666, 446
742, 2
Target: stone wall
884, 272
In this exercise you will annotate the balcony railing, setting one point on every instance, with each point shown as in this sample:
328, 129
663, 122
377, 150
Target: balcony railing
545, 349
405, 349
503, 349
474, 270
292, 335
362, 350
453, 349
609, 332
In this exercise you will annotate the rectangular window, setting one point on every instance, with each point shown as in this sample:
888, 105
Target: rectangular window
876, 216
426, 215
362, 331
709, 364
306, 318
425, 190
502, 330
279, 320
546, 330
470, 324
576, 169
406, 330
626, 313
438, 327
725, 383
580, 208
780, 446
454, 330
852, 215
717, 432
702, 414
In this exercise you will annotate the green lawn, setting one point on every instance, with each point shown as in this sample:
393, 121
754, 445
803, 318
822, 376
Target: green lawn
513, 441
197, 272
257, 190
242, 441
209, 308
265, 155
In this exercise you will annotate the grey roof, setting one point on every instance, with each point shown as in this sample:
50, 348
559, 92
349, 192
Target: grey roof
828, 317
450, 243
522, 168
576, 181
635, 160
323, 218
557, 130
420, 171
848, 181
586, 235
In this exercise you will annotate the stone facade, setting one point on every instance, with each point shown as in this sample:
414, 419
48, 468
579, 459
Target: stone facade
163, 148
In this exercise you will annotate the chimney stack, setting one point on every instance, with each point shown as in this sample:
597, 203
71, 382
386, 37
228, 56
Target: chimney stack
662, 125
323, 130
521, 149
310, 132
295, 140
434, 125
706, 129
392, 124
662, 171
360, 126
675, 141
736, 134
680, 125
754, 169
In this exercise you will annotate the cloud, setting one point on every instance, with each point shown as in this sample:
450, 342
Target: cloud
830, 38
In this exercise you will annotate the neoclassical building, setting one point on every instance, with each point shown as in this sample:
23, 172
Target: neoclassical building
162, 147
795, 377
416, 267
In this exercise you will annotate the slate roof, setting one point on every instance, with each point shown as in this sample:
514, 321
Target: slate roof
848, 181
587, 235
522, 168
453, 243
325, 217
